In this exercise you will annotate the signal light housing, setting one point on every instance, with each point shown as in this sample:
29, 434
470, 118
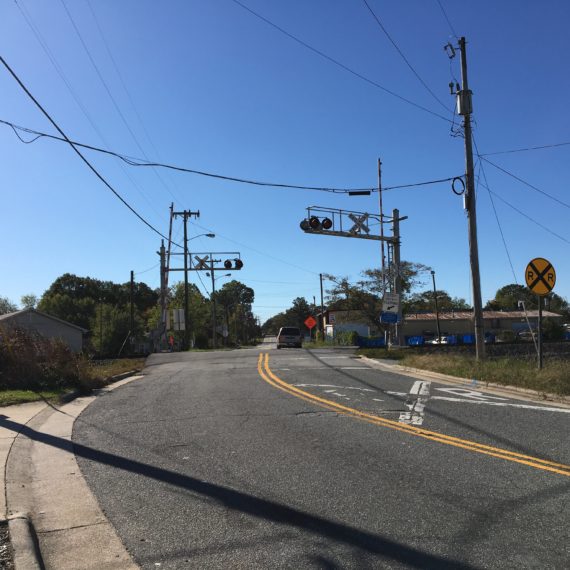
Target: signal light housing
314, 223
326, 223
239, 263
305, 225
227, 264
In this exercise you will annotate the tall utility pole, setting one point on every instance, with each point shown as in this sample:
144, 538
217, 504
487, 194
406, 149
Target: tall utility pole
322, 319
397, 284
132, 300
186, 214
465, 109
382, 250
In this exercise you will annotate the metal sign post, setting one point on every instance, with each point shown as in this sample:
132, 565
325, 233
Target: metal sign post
540, 277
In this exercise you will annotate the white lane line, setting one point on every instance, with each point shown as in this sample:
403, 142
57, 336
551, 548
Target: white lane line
417, 400
333, 386
353, 368
504, 404
396, 393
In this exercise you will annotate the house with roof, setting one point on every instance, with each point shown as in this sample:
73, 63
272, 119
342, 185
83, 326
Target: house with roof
46, 325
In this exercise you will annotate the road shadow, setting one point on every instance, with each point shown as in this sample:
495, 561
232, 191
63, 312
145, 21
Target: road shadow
250, 505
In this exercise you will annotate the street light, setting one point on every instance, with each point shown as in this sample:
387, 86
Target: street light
214, 308
436, 308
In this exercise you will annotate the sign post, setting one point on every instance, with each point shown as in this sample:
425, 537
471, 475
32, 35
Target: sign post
540, 278
310, 323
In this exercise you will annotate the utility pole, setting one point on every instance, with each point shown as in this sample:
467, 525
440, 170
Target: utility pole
436, 308
186, 214
397, 284
465, 109
214, 343
382, 246
132, 295
163, 281
322, 320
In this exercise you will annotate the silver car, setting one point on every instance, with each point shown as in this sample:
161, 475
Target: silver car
289, 336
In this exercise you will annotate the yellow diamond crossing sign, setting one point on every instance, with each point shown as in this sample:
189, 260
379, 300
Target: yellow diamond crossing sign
540, 276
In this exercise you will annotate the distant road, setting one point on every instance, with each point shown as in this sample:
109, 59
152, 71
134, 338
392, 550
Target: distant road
258, 458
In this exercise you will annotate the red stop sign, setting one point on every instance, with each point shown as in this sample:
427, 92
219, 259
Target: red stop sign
310, 322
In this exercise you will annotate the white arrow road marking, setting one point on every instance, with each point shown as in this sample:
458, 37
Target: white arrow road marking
464, 393
523, 406
417, 400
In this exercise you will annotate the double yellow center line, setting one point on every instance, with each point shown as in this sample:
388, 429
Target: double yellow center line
266, 373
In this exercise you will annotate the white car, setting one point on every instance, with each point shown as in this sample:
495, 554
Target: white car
441, 340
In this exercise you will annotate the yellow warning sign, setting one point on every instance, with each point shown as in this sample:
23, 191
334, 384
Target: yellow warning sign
540, 276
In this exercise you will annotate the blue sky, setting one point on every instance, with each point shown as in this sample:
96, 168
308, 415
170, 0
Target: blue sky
211, 87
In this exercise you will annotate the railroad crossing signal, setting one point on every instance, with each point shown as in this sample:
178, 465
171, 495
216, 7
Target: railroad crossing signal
201, 262
540, 276
359, 224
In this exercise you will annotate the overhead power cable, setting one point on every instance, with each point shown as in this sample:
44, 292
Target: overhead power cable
525, 149
108, 90
339, 64
382, 27
554, 198
41, 40
545, 228
139, 162
90, 166
447, 20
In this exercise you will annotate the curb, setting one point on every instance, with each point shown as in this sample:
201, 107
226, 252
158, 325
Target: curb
65, 399
516, 390
25, 546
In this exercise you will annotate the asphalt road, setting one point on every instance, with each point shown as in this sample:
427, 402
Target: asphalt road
213, 460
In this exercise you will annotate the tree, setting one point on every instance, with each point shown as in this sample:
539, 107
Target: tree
29, 301
507, 298
425, 301
6, 306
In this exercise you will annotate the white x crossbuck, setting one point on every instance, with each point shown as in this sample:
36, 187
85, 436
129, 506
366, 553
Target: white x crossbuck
359, 224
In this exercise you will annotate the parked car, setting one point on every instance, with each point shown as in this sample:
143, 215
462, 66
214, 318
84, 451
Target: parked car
526, 336
441, 340
289, 336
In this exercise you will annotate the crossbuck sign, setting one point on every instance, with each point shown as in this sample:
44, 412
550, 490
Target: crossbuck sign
359, 224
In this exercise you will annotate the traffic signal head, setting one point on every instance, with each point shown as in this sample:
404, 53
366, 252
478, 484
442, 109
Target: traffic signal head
314, 223
327, 223
305, 225
239, 263
227, 264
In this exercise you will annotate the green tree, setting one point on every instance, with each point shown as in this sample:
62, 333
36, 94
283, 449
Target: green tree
29, 301
507, 298
424, 301
6, 306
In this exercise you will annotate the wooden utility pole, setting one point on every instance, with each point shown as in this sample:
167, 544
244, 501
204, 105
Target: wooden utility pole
186, 214
465, 109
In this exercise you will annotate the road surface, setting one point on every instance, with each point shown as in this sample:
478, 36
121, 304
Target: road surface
258, 458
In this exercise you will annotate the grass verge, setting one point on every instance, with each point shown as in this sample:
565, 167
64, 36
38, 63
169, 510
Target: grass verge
98, 375
554, 378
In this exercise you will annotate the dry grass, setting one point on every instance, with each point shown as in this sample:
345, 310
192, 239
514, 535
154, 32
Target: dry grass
554, 378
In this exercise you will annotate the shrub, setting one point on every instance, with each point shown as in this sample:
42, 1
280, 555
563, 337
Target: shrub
29, 361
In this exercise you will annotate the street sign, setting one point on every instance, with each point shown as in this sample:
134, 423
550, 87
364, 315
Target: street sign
391, 303
310, 322
540, 276
389, 318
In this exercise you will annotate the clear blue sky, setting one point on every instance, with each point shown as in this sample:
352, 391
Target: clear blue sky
217, 89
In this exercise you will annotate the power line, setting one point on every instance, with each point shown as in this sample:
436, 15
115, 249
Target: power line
565, 204
139, 162
403, 56
447, 20
108, 90
74, 95
338, 63
497, 218
91, 167
525, 149
546, 228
